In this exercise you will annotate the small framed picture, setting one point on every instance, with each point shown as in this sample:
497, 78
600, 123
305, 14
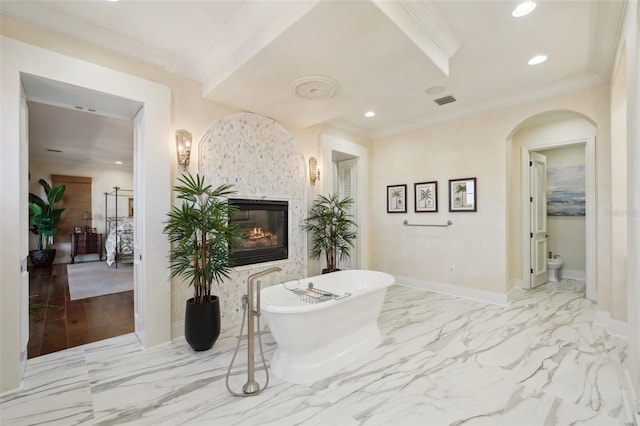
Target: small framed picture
396, 198
77, 230
426, 197
94, 231
130, 207
463, 195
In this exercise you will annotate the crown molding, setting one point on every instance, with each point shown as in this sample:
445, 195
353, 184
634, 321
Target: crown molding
47, 17
605, 36
582, 81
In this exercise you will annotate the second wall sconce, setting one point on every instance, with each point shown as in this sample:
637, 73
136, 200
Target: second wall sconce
314, 171
183, 146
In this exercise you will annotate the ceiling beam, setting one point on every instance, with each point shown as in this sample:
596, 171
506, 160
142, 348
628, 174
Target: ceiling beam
253, 28
425, 27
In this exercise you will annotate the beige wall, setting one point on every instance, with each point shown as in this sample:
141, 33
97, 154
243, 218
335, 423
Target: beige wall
628, 53
619, 210
476, 245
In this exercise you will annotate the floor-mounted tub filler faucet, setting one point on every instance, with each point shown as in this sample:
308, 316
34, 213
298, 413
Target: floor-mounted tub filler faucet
252, 316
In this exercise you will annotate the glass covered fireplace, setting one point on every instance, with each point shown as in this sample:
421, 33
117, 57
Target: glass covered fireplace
263, 227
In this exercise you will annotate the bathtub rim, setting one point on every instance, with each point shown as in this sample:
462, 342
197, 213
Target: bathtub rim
383, 284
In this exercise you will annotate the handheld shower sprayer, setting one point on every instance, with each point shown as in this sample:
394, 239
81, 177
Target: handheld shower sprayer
252, 312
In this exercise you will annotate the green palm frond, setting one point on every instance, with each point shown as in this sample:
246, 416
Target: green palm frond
201, 234
332, 229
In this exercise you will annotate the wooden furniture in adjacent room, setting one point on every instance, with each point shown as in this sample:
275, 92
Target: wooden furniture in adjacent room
85, 243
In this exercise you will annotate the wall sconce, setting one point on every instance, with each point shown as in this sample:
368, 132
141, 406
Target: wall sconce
314, 171
183, 145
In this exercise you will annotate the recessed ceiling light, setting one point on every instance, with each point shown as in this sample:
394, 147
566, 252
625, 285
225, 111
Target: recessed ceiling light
435, 90
537, 59
369, 114
523, 9
118, 162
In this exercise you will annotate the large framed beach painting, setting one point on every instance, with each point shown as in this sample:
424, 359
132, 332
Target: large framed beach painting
566, 191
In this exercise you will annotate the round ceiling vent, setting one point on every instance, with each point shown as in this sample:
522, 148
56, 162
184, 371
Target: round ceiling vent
315, 87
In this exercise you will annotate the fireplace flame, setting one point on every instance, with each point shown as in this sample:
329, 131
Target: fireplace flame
256, 233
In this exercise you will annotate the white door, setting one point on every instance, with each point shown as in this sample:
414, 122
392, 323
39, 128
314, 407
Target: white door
138, 194
538, 218
347, 188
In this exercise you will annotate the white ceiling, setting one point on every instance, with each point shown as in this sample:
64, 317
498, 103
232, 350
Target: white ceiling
75, 125
81, 138
382, 54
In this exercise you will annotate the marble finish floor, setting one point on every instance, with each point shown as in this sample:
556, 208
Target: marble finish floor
444, 361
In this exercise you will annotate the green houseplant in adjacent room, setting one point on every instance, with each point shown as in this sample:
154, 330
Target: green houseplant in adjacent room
333, 232
43, 216
201, 237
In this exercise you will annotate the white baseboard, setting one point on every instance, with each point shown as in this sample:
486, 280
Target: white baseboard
614, 327
177, 329
517, 283
12, 391
454, 290
573, 274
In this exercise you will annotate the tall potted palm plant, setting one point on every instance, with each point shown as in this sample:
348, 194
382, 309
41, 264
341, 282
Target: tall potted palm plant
201, 237
333, 232
43, 216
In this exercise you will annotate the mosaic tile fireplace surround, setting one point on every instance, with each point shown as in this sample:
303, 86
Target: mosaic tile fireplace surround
262, 161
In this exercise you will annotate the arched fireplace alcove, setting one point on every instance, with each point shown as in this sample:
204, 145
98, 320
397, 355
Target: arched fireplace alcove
265, 166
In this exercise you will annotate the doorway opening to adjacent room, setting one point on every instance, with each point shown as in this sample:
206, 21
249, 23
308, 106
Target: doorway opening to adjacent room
535, 214
557, 198
78, 132
345, 169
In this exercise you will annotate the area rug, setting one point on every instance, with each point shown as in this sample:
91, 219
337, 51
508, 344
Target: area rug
93, 279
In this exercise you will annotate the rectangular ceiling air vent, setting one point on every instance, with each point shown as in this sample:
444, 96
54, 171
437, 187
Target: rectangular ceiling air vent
445, 100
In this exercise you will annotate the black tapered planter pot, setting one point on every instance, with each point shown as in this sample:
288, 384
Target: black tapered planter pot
202, 323
44, 257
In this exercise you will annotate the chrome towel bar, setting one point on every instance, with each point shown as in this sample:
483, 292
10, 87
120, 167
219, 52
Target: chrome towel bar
406, 223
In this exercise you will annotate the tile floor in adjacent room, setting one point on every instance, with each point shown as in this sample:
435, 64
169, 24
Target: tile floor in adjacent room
444, 361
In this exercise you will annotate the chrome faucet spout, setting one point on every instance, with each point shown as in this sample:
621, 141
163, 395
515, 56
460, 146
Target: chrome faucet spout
263, 273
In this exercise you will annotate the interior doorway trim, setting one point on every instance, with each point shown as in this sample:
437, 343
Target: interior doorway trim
590, 210
330, 145
154, 165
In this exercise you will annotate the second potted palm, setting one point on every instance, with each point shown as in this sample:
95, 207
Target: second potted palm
333, 232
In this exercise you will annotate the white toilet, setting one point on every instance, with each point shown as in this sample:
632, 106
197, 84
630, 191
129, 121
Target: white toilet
553, 267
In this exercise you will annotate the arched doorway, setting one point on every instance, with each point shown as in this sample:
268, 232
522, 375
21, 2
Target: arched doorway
548, 130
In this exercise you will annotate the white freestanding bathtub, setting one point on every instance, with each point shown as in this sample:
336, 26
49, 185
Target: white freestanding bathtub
316, 340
